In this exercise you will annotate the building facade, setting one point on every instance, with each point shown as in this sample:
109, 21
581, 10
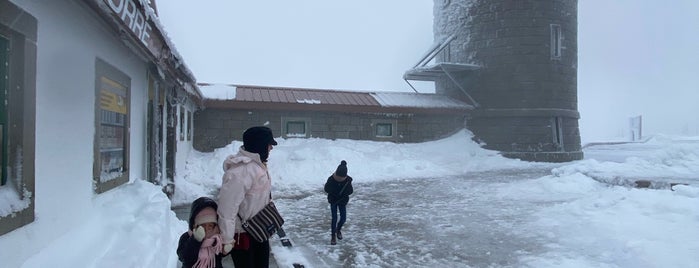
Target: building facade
93, 96
328, 114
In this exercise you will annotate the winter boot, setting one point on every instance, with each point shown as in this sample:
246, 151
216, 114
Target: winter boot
339, 234
332, 240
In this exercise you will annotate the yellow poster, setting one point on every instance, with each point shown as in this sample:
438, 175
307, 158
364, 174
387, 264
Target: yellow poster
109, 100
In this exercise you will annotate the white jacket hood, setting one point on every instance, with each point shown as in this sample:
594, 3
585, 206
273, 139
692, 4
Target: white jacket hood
242, 157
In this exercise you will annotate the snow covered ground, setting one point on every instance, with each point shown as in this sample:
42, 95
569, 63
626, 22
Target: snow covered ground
447, 203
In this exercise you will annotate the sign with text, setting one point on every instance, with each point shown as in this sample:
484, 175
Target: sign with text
134, 16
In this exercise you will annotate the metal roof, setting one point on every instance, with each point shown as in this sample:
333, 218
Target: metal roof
303, 96
322, 99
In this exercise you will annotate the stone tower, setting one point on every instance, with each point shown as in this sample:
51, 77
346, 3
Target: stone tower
516, 61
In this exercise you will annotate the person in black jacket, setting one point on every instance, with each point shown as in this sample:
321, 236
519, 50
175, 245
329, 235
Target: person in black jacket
339, 188
201, 245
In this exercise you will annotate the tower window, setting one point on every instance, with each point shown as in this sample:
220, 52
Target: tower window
557, 128
556, 41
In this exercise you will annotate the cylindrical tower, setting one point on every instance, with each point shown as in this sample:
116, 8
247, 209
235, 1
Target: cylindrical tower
526, 83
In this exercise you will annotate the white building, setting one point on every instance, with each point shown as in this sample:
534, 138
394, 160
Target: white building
92, 95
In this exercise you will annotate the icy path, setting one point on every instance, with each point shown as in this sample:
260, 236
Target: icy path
440, 222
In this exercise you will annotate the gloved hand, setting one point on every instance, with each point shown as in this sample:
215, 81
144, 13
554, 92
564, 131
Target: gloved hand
199, 233
227, 248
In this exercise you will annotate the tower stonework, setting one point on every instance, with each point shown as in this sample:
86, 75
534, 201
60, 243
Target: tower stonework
525, 84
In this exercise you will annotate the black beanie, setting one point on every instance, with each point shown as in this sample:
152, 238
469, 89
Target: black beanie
256, 140
341, 170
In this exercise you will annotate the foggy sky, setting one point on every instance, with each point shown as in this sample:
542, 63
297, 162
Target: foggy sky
634, 57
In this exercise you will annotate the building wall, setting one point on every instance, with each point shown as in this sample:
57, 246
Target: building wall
534, 135
521, 85
70, 39
216, 128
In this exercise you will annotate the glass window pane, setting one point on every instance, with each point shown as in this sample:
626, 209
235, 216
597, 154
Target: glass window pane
182, 126
3, 149
556, 39
18, 52
296, 128
113, 129
190, 126
4, 64
384, 130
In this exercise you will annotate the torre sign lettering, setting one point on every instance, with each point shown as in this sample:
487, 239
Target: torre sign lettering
132, 17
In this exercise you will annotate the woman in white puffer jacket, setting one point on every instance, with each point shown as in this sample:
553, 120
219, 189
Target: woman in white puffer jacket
245, 190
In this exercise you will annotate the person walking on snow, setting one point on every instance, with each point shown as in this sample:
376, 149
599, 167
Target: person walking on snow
246, 189
339, 188
201, 245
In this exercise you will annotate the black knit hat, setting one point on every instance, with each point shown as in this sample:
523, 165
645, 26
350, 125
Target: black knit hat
342, 169
256, 140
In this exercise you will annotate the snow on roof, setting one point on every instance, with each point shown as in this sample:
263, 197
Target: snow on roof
307, 101
218, 91
403, 99
331, 97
